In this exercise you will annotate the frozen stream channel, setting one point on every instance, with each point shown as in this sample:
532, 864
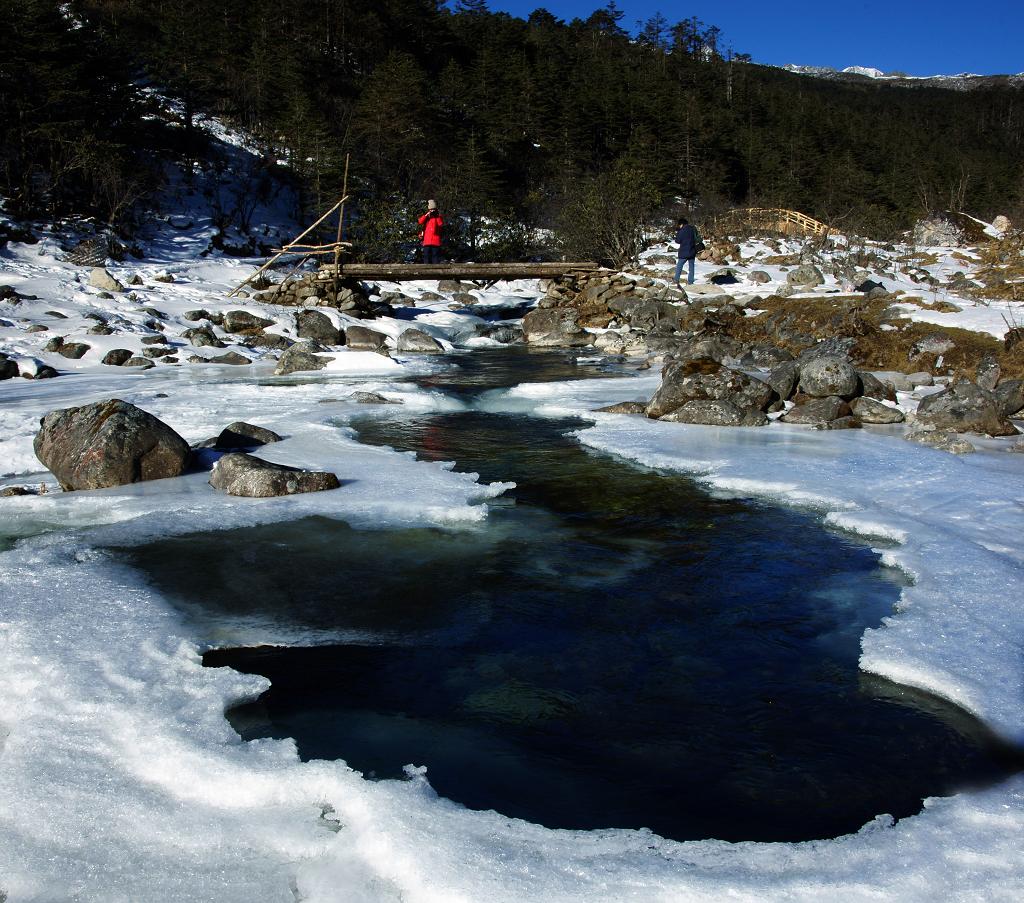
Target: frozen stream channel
611, 647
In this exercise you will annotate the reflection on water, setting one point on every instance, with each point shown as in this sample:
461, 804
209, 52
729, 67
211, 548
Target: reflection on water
613, 648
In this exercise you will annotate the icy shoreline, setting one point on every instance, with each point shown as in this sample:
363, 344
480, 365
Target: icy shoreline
121, 779
109, 716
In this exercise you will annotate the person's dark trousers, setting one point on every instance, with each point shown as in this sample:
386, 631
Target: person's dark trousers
431, 254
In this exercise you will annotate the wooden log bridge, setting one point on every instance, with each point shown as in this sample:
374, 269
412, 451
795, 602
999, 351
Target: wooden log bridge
771, 219
473, 272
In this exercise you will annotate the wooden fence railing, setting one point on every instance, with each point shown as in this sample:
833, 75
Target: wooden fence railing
771, 219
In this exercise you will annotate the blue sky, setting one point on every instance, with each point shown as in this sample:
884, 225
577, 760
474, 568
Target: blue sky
939, 37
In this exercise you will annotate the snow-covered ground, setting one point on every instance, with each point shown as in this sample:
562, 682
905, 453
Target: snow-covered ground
120, 779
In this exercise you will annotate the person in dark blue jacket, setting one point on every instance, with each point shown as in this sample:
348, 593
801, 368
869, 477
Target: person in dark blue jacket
688, 240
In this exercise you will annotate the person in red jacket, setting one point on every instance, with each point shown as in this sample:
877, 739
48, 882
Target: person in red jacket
431, 224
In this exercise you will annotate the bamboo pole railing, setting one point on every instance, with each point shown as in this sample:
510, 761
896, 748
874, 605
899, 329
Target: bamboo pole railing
295, 247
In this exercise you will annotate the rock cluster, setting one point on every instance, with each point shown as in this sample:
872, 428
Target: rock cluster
304, 291
600, 300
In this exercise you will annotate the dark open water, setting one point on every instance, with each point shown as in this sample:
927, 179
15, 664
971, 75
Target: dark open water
613, 648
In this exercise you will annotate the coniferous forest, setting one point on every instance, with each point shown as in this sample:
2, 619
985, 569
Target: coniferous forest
520, 123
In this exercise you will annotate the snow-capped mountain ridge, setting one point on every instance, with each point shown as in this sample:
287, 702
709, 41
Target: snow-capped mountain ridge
962, 81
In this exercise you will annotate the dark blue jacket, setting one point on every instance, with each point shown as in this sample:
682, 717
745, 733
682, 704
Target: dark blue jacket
687, 238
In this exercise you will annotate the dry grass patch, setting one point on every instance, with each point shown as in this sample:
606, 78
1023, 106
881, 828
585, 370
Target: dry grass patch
884, 340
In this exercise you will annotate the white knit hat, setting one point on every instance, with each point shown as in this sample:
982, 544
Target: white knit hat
431, 205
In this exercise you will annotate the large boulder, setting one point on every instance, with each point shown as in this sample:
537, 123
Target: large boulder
108, 443
202, 337
244, 435
821, 377
706, 379
73, 350
241, 322
232, 357
101, 279
246, 475
298, 358
716, 412
8, 368
869, 410
818, 411
872, 387
987, 373
554, 327
316, 325
413, 340
783, 379
1010, 393
116, 357
965, 408
806, 276
359, 338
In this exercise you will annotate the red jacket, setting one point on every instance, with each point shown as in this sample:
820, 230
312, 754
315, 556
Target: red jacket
431, 228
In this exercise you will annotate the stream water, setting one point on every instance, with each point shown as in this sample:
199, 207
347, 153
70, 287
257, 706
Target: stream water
613, 647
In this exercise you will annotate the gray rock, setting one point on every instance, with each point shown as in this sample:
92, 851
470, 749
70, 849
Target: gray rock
55, 344
452, 285
413, 340
836, 346
505, 334
784, 378
965, 408
869, 410
759, 277
872, 387
314, 324
232, 357
373, 398
37, 327
109, 443
196, 315
624, 407
296, 359
715, 412
359, 338
241, 322
154, 353
73, 350
821, 377
45, 372
765, 356
269, 340
8, 368
1010, 394
244, 435
645, 314
11, 492
818, 411
937, 343
101, 279
246, 475
806, 276
100, 329
202, 337
140, 362
987, 373
940, 440
154, 340
116, 357
920, 378
847, 422
554, 328
706, 379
